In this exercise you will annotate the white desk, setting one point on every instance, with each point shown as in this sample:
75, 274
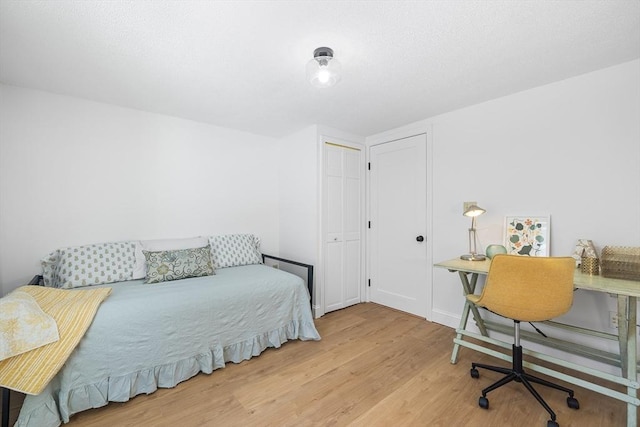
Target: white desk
627, 293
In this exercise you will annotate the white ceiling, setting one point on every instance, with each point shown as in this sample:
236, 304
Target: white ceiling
241, 64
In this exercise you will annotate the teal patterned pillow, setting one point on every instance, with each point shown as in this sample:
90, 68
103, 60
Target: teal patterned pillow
163, 266
232, 250
89, 265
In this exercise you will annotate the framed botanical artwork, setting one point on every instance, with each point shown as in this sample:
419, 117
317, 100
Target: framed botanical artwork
527, 235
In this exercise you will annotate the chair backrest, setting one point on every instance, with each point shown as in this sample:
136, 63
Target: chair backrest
529, 288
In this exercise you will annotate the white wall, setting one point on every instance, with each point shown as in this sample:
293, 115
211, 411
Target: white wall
298, 200
570, 149
75, 172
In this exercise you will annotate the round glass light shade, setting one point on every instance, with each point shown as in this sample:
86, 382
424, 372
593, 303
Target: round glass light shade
323, 71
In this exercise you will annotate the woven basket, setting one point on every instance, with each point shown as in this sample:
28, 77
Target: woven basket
620, 262
590, 266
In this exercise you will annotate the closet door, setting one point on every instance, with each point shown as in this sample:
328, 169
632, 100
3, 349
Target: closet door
343, 226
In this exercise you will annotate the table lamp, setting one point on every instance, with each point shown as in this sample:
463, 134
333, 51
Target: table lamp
473, 211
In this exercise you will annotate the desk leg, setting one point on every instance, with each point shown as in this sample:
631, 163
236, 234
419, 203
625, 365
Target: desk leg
627, 309
5, 406
462, 326
623, 333
468, 288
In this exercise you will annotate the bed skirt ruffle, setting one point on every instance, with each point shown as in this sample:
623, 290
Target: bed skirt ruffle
44, 411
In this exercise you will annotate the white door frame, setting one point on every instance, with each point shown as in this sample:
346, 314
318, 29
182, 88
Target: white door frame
320, 305
395, 135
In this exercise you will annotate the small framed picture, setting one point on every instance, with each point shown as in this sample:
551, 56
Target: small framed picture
527, 235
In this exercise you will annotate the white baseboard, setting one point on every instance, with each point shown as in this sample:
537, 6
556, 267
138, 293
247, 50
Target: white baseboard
449, 319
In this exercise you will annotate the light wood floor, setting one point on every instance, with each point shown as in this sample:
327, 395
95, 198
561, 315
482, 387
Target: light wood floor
373, 367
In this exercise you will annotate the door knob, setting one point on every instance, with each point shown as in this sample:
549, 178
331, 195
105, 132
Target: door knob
420, 239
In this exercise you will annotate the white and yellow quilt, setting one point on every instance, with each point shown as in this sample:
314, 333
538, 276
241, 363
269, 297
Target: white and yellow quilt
23, 325
39, 328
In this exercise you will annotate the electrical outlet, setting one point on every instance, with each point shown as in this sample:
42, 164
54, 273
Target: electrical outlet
465, 206
613, 320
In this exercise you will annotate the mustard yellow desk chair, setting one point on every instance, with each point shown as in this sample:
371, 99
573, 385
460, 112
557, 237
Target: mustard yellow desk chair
527, 289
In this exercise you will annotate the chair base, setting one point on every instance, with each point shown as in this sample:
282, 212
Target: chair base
516, 373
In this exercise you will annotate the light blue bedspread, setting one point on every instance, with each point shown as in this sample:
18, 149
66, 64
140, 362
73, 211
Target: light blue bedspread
146, 336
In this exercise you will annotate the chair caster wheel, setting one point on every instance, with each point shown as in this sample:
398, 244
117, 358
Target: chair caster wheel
483, 402
552, 423
474, 373
573, 403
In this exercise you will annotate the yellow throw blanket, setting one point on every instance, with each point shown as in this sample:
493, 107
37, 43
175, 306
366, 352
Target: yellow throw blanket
73, 311
23, 325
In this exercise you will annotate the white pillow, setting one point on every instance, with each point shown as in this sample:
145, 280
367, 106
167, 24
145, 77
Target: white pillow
232, 250
140, 266
23, 325
89, 265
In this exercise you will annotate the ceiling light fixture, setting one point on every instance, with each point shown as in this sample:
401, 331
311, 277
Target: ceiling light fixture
323, 70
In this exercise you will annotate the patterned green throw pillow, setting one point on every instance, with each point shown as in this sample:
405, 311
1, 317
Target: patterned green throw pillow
163, 266
232, 250
89, 265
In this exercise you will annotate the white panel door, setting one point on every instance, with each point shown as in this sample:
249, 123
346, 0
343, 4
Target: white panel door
344, 222
398, 202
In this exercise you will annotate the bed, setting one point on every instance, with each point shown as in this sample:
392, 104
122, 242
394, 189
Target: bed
148, 336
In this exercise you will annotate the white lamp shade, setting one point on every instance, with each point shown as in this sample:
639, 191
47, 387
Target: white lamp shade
473, 211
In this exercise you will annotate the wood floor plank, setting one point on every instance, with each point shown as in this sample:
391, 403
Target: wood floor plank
373, 367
